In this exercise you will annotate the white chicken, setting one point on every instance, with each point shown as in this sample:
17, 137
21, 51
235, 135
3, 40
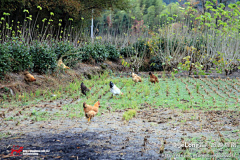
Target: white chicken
114, 89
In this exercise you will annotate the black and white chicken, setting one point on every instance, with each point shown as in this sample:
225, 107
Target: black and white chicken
114, 89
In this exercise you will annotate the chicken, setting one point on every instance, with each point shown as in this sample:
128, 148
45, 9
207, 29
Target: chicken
136, 78
91, 111
84, 89
28, 77
114, 89
153, 78
61, 64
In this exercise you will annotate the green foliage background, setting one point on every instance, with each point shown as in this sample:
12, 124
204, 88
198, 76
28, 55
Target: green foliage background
137, 29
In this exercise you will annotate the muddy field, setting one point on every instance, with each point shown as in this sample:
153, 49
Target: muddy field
143, 137
155, 133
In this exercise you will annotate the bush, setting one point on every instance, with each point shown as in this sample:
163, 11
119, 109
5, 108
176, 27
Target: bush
72, 60
127, 51
96, 51
141, 48
62, 48
44, 58
87, 50
113, 52
5, 60
65, 48
22, 59
155, 64
99, 53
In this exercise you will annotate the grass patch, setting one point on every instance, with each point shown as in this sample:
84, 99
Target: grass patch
181, 93
129, 114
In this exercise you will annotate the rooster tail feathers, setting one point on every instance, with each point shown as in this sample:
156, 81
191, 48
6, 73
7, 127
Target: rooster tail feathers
84, 103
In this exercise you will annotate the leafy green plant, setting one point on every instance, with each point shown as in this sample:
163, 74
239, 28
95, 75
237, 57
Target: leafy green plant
127, 51
197, 87
164, 75
86, 52
96, 51
142, 48
44, 58
21, 58
100, 53
113, 52
155, 64
70, 55
129, 114
5, 60
61, 48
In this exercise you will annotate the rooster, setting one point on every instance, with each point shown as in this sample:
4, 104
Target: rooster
91, 111
136, 78
61, 64
84, 89
153, 78
114, 89
28, 77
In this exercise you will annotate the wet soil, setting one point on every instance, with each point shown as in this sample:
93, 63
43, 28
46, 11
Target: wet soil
107, 136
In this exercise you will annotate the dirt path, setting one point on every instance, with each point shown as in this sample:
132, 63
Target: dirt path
109, 137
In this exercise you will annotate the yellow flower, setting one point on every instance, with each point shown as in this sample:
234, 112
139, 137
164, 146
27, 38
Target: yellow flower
226, 62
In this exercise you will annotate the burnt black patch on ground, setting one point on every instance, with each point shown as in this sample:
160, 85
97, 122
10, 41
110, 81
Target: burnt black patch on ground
68, 145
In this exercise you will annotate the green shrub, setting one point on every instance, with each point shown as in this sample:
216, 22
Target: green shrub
67, 50
99, 53
96, 51
62, 48
44, 58
127, 51
87, 50
5, 60
142, 47
113, 52
22, 59
72, 59
155, 64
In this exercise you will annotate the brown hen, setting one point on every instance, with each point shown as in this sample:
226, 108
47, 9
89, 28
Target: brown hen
136, 78
61, 64
153, 78
91, 111
28, 77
